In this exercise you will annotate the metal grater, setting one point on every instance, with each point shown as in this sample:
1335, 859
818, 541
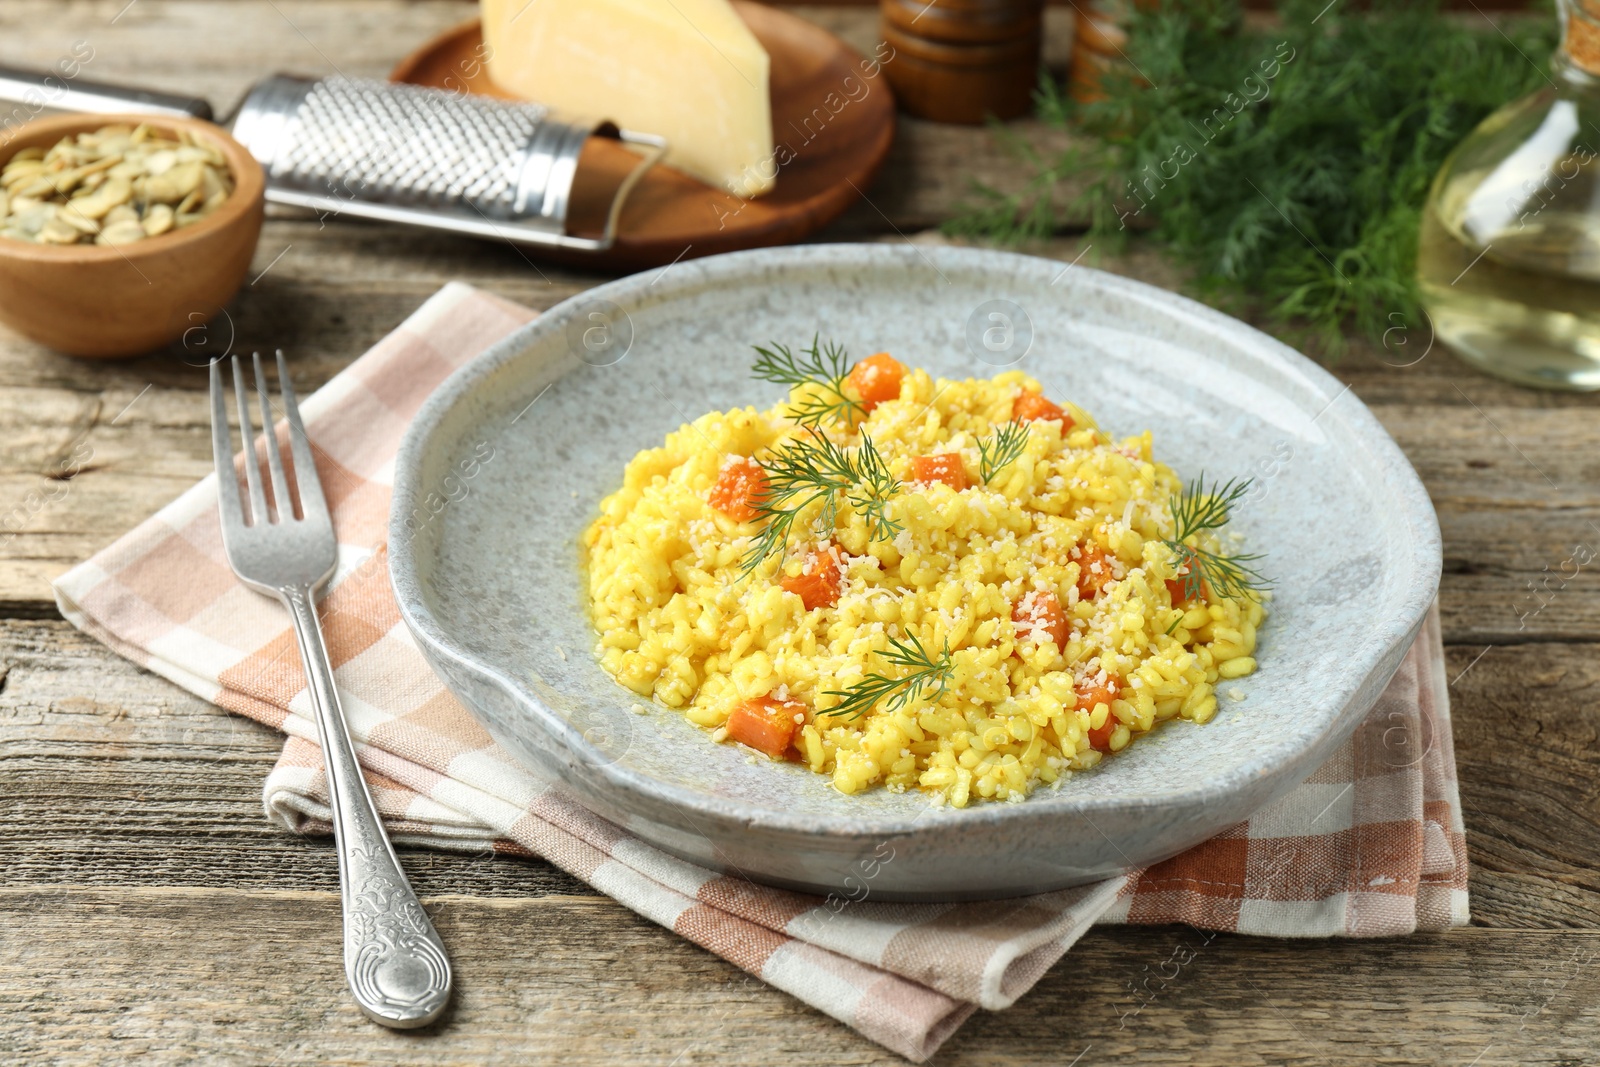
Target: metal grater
428, 157
398, 153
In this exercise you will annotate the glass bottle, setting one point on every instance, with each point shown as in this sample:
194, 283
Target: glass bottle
1509, 258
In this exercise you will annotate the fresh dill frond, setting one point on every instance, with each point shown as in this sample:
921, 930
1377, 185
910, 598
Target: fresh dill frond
798, 476
1199, 509
1229, 577
774, 538
872, 489
1001, 450
823, 366
1284, 167
927, 673
813, 469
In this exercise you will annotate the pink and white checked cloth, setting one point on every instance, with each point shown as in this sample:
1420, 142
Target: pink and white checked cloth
1373, 844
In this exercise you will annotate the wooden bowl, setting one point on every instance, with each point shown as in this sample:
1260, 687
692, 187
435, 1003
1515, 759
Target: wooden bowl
125, 300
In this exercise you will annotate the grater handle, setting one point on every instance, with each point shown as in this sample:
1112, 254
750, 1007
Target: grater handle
47, 91
651, 151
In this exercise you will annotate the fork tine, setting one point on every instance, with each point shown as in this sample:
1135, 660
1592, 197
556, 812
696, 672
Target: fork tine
252, 469
222, 450
280, 485
312, 502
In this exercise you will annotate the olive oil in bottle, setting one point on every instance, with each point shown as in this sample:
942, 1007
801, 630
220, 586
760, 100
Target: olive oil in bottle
1509, 258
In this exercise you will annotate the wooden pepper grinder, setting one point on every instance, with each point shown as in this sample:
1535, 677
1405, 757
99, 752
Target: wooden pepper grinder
1099, 42
963, 61
1098, 39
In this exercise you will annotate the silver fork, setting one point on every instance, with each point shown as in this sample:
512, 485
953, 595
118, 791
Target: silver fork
393, 958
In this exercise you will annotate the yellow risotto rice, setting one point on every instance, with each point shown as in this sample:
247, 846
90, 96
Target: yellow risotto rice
678, 623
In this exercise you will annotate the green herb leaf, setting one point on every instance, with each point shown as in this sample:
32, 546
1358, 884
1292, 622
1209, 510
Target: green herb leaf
824, 366
873, 488
1199, 509
1001, 450
816, 468
1285, 167
1229, 577
926, 673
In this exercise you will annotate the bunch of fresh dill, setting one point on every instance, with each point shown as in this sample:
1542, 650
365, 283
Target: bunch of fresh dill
1287, 167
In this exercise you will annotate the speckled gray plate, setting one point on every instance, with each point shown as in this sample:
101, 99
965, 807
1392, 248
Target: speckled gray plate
507, 462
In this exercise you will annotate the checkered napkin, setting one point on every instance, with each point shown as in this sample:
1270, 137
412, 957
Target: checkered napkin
1371, 845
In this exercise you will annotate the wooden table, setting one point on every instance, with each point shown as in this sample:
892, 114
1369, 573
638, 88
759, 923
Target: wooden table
151, 913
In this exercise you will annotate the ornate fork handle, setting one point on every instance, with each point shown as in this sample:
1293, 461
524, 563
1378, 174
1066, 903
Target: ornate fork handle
393, 958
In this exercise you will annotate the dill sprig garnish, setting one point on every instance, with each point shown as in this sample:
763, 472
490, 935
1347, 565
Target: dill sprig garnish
819, 469
926, 673
874, 488
1199, 509
1001, 450
824, 366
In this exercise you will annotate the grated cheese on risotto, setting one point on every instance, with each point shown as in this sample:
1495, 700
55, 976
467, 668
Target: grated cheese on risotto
1039, 606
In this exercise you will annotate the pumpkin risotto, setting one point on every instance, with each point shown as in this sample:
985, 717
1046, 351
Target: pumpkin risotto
961, 587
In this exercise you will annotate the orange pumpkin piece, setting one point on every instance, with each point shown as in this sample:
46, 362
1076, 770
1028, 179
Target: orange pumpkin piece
740, 486
1094, 571
945, 467
1175, 588
1090, 694
1039, 614
876, 379
819, 581
1032, 407
766, 724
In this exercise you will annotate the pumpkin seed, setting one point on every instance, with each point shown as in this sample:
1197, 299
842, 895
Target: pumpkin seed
211, 183
113, 185
123, 233
115, 191
19, 170
31, 221
35, 190
172, 185
160, 162
57, 232
77, 221
158, 220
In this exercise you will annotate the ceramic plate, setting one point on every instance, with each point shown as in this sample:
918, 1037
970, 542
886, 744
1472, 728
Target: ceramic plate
507, 463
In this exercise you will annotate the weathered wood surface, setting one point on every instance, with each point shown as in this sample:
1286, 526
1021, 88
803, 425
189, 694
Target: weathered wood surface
150, 911
265, 988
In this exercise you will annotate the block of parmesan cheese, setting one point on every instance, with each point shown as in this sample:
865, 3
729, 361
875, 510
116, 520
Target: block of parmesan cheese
687, 70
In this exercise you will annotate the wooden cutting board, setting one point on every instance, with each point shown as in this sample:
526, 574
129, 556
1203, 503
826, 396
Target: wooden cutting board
831, 106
